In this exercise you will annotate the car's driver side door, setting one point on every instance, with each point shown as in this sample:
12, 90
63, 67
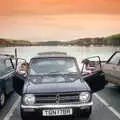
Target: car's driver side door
92, 73
20, 75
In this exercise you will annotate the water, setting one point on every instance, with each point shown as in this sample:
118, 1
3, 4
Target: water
79, 52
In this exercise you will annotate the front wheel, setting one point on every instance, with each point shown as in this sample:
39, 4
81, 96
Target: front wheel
86, 112
2, 98
27, 115
24, 115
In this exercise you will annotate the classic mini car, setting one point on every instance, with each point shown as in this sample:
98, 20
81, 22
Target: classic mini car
6, 77
54, 86
111, 68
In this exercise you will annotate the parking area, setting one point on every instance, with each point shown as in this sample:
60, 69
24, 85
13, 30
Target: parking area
106, 106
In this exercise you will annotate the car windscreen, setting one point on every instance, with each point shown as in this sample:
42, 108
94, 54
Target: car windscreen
41, 66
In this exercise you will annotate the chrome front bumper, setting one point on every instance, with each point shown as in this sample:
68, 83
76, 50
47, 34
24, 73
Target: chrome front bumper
75, 105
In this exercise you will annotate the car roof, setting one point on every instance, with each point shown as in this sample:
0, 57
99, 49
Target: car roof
117, 51
5, 56
52, 54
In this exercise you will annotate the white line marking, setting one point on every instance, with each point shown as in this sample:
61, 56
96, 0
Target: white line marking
108, 106
9, 114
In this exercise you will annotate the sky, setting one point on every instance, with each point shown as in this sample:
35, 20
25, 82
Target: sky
37, 20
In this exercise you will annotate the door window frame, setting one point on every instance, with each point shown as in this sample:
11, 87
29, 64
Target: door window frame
91, 58
108, 62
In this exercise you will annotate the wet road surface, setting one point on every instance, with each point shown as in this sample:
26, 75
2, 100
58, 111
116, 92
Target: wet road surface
111, 94
10, 101
100, 111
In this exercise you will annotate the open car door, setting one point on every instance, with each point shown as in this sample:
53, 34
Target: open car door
92, 73
20, 75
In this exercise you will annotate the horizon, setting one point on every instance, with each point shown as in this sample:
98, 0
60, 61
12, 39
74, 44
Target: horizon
59, 40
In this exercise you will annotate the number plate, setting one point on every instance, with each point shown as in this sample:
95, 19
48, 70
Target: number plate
57, 112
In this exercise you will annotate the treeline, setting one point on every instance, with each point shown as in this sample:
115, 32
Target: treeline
113, 40
95, 41
4, 42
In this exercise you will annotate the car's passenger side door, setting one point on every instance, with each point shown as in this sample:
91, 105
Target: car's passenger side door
92, 73
112, 68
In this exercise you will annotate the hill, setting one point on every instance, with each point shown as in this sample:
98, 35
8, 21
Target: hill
9, 42
113, 40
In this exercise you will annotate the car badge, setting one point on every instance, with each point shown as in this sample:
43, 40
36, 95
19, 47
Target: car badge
57, 98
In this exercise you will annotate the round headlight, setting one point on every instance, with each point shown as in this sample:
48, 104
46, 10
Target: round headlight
84, 96
28, 99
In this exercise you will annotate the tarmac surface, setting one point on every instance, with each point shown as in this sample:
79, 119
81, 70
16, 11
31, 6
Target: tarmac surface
106, 106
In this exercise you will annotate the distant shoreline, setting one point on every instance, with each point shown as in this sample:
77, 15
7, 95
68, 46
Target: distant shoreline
113, 40
61, 45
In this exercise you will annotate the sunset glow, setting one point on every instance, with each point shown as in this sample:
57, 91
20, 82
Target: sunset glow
58, 19
59, 6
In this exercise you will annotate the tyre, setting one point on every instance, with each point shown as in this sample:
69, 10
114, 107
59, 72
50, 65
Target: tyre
86, 112
24, 115
2, 98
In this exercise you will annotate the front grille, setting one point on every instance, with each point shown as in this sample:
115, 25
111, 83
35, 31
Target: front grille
57, 98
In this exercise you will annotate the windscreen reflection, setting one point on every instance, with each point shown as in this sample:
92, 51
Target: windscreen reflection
52, 66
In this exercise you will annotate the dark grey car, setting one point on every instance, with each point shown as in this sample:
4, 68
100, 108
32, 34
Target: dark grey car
54, 86
6, 77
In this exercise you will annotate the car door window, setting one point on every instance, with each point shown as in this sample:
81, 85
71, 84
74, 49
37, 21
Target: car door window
2, 68
8, 65
115, 59
91, 65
